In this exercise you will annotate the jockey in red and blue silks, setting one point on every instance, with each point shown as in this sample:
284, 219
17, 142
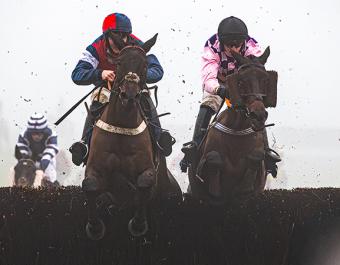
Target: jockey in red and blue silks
96, 57
97, 64
217, 63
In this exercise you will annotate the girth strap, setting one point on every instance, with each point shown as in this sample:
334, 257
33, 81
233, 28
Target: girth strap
230, 131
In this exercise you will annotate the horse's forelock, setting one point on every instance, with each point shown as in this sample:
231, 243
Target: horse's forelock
132, 59
130, 49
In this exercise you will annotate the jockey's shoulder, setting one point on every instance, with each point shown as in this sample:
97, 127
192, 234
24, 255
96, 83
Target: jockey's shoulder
97, 43
99, 39
212, 41
251, 40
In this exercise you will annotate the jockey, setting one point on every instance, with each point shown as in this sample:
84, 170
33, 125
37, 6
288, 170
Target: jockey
218, 63
97, 65
39, 143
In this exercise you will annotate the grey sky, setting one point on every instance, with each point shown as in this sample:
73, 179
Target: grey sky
43, 40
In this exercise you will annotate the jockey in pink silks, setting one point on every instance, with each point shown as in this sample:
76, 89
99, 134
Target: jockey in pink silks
217, 63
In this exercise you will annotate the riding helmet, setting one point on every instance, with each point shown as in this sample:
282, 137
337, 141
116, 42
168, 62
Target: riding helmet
37, 123
117, 22
232, 28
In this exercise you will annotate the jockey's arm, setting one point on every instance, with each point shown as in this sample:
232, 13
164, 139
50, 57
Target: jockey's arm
209, 71
85, 74
155, 70
50, 151
86, 71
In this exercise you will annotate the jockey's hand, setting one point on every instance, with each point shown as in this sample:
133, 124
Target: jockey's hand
108, 75
222, 92
39, 174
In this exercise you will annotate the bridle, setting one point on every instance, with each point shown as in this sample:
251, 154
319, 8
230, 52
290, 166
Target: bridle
130, 77
243, 108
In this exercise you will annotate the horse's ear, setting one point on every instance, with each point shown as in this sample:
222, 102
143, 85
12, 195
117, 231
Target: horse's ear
239, 58
149, 43
263, 58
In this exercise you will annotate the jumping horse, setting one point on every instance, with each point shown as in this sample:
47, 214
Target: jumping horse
229, 163
124, 164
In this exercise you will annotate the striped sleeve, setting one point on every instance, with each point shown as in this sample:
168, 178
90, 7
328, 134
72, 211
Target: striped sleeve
51, 149
23, 145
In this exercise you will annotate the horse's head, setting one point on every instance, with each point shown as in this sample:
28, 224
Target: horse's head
24, 173
131, 72
251, 88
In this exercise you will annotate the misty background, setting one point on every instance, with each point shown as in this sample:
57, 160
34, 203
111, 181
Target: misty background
42, 41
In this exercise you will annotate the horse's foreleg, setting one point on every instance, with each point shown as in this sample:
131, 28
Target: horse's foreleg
138, 225
209, 170
95, 227
254, 162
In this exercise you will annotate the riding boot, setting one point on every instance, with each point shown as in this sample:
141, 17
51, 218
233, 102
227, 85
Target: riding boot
202, 122
163, 138
80, 149
271, 157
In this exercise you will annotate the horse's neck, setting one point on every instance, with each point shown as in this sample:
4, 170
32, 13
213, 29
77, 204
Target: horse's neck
234, 120
116, 114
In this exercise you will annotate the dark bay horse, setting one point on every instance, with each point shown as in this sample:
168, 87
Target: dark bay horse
123, 162
24, 173
229, 163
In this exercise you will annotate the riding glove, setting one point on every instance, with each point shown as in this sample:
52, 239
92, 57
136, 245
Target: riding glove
223, 92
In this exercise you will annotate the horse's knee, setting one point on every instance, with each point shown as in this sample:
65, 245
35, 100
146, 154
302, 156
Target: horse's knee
147, 179
210, 164
90, 184
254, 159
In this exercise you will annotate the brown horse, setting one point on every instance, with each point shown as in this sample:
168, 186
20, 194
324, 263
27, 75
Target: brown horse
123, 162
229, 163
24, 173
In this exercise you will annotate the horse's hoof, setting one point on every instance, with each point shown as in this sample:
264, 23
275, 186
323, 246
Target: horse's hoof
95, 230
138, 229
106, 203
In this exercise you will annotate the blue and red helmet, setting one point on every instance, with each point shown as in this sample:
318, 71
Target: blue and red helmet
117, 22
